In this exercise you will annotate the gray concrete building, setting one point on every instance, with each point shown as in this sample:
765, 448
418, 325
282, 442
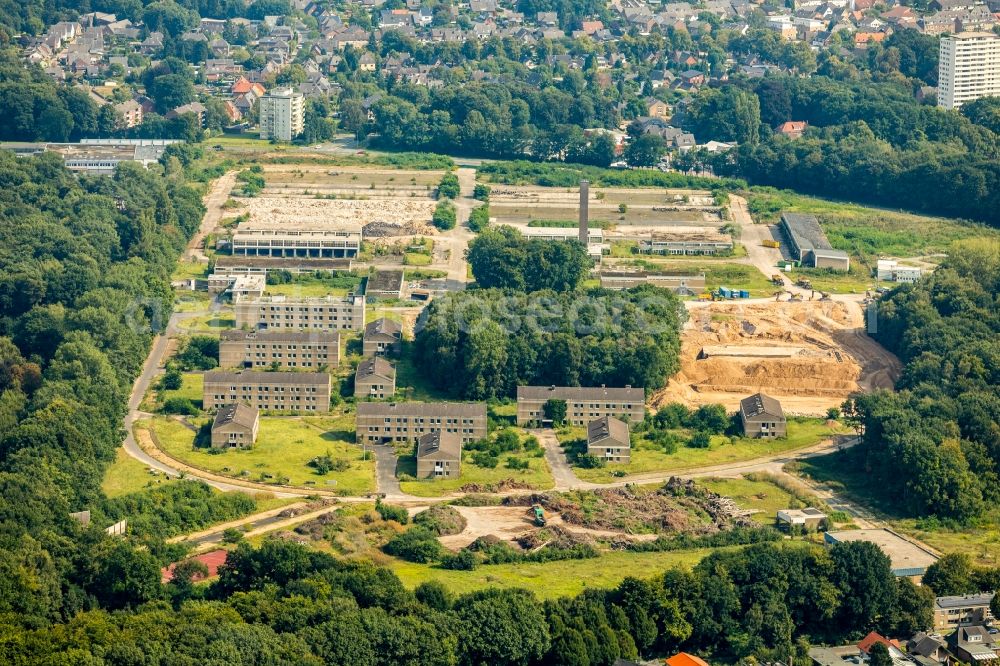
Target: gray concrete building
386, 284
235, 427
262, 240
320, 314
296, 392
762, 416
239, 348
375, 379
439, 456
383, 422
608, 439
583, 403
809, 244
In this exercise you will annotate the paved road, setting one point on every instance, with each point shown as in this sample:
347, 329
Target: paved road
562, 473
385, 471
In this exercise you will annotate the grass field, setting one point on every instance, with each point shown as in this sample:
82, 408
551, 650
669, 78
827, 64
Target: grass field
538, 475
551, 580
209, 323
192, 388
416, 259
284, 447
855, 281
869, 231
192, 301
304, 290
647, 457
186, 270
981, 542
128, 475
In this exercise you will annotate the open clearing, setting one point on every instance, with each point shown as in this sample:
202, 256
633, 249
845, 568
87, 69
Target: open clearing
551, 580
284, 447
654, 207
829, 358
128, 475
536, 477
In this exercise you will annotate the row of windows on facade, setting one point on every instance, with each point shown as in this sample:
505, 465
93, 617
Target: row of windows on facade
403, 430
279, 355
594, 405
433, 421
278, 348
277, 389
264, 398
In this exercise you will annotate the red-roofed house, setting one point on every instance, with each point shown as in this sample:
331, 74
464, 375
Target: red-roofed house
590, 27
793, 129
685, 659
874, 637
212, 560
863, 39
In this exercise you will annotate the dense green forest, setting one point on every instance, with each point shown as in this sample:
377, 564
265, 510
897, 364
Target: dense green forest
284, 604
942, 428
484, 343
84, 285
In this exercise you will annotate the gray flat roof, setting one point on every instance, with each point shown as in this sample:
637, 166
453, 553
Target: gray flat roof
280, 335
386, 281
906, 556
964, 601
467, 410
627, 393
260, 377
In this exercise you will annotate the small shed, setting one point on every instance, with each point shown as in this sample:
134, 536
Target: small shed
235, 427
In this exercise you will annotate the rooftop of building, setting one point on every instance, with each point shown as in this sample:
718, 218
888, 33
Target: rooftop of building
264, 377
280, 336
239, 414
443, 445
424, 409
386, 280
607, 427
375, 366
758, 404
627, 393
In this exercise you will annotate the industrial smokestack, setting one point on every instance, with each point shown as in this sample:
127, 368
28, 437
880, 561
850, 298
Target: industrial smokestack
584, 211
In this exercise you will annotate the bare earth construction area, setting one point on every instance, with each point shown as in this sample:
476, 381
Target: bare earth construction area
811, 355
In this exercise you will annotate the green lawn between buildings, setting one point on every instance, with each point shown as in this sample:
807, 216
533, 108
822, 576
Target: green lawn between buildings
537, 476
284, 447
127, 475
647, 457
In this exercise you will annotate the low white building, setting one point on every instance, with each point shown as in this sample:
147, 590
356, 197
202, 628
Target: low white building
890, 270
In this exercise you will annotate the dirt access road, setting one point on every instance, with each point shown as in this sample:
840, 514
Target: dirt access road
215, 198
457, 239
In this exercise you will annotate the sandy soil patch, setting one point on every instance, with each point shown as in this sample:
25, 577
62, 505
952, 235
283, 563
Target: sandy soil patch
730, 350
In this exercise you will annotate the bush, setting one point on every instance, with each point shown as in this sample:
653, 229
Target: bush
232, 535
199, 353
481, 192
709, 418
588, 461
417, 544
445, 216
177, 405
700, 440
441, 519
463, 560
390, 512
517, 463
479, 218
449, 186
485, 459
172, 379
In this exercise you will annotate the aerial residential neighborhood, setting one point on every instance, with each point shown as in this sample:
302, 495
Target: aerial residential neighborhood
500, 332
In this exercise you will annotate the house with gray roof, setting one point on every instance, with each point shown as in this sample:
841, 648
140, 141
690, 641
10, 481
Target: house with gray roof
235, 427
439, 456
608, 439
375, 379
382, 336
808, 243
762, 416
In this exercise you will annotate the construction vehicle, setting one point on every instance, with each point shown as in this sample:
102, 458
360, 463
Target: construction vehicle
538, 515
795, 298
778, 280
770, 243
705, 297
804, 283
824, 296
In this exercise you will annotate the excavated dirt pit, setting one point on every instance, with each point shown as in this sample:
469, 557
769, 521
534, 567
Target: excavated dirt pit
811, 355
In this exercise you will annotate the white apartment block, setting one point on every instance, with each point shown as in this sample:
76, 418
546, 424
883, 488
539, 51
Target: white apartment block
282, 114
968, 68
